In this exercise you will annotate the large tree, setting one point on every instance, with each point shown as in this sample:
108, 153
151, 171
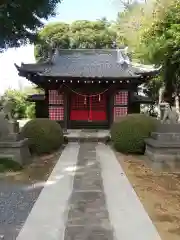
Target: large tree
79, 34
136, 16
161, 41
151, 30
20, 20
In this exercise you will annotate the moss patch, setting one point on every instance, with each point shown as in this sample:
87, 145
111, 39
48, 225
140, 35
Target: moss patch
8, 164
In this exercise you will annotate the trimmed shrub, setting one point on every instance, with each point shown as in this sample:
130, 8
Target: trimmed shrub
45, 136
129, 132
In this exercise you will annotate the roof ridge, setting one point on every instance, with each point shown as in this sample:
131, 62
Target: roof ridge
86, 50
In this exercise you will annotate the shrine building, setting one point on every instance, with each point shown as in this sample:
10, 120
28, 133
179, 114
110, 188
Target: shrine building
87, 88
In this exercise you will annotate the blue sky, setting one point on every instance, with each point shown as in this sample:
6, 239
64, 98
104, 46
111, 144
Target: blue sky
67, 11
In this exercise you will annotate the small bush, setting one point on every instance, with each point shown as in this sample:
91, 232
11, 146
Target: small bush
129, 132
45, 136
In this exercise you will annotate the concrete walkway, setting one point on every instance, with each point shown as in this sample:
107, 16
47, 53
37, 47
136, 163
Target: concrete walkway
88, 197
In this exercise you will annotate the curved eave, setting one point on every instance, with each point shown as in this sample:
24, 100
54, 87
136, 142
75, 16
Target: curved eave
25, 72
33, 68
149, 74
87, 77
146, 70
28, 70
35, 97
142, 99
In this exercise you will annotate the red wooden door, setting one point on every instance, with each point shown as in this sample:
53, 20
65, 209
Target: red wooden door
97, 108
90, 108
78, 108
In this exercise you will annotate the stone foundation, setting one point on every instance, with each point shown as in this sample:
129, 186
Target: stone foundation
18, 151
164, 144
162, 153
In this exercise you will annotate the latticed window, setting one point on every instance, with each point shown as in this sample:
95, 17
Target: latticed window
56, 113
55, 97
56, 105
120, 111
121, 98
79, 102
120, 104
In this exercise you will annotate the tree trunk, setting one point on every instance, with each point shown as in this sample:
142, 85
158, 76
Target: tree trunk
169, 72
161, 92
177, 106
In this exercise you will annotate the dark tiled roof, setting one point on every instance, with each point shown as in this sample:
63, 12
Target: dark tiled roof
87, 63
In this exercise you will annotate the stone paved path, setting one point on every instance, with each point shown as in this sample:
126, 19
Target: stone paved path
88, 197
88, 217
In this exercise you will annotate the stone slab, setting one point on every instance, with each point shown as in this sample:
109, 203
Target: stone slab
88, 233
127, 215
87, 136
49, 215
166, 137
86, 208
13, 144
19, 151
88, 216
162, 144
163, 155
168, 128
88, 181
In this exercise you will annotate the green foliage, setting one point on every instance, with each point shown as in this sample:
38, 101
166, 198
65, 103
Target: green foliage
21, 107
79, 34
30, 111
20, 20
56, 34
129, 132
151, 88
8, 164
130, 22
19, 103
160, 42
45, 136
152, 32
163, 37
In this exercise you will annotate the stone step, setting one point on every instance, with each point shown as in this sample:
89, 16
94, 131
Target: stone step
166, 137
87, 136
86, 139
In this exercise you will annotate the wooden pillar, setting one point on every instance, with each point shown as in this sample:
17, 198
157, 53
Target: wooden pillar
46, 104
129, 102
65, 111
111, 107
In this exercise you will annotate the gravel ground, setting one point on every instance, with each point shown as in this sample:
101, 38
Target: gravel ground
19, 191
16, 202
159, 192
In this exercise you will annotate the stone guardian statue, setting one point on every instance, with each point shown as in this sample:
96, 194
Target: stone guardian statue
169, 115
6, 109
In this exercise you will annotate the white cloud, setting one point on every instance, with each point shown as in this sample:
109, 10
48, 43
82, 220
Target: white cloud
8, 74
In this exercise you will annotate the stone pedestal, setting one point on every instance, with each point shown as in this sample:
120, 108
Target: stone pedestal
17, 150
11, 145
164, 144
14, 126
